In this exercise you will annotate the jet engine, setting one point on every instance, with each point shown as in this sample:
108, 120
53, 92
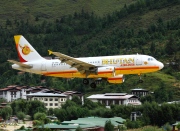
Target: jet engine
108, 71
116, 79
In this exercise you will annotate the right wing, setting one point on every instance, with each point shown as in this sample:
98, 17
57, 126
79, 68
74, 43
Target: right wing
73, 62
20, 64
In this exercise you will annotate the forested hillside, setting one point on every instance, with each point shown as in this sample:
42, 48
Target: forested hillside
149, 27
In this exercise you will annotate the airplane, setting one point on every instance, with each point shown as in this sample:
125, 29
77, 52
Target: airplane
90, 69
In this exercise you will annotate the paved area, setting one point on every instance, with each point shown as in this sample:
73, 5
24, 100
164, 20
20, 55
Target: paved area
12, 127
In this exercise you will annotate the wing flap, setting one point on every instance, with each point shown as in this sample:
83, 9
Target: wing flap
20, 64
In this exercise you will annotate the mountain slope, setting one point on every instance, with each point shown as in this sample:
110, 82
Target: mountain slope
137, 27
51, 10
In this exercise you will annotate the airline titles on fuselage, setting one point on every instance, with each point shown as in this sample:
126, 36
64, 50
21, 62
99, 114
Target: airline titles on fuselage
121, 61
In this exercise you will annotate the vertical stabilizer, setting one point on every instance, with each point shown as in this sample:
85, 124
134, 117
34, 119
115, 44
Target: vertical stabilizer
25, 51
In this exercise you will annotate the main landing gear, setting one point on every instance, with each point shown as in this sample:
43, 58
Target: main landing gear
86, 82
93, 85
140, 79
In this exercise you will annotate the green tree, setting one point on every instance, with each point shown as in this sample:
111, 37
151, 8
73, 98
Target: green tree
8, 22
167, 127
2, 100
50, 111
28, 107
61, 114
108, 126
68, 104
167, 112
178, 126
22, 128
6, 112
77, 100
47, 120
171, 46
153, 48
89, 104
133, 124
37, 123
21, 115
78, 128
161, 94
40, 116
148, 98
35, 106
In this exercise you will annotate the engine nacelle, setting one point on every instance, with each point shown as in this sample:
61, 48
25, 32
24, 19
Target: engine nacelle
116, 79
108, 71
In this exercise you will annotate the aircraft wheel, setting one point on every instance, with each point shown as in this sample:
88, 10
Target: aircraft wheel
140, 81
85, 81
93, 85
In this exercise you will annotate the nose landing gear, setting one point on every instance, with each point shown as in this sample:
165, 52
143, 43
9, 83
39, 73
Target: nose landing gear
140, 79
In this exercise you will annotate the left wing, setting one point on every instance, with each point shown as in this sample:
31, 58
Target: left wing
82, 67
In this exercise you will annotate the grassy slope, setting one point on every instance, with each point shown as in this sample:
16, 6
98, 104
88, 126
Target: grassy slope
48, 10
143, 21
137, 21
45, 9
152, 81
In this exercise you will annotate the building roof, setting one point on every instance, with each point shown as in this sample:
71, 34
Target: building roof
174, 102
73, 126
72, 93
118, 119
138, 89
111, 96
115, 94
175, 124
3, 103
13, 88
46, 94
94, 121
50, 91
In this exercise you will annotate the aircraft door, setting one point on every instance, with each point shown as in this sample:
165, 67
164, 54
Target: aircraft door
138, 60
43, 66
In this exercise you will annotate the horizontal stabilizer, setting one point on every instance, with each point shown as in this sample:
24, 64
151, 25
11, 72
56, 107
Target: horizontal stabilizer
20, 64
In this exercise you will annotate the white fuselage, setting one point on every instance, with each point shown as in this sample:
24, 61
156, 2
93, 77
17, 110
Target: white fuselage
108, 66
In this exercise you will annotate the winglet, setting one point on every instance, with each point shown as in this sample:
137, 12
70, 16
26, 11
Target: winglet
50, 52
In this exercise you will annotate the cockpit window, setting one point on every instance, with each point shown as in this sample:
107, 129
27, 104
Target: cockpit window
150, 59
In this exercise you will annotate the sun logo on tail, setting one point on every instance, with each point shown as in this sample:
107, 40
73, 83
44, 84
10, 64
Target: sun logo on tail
25, 49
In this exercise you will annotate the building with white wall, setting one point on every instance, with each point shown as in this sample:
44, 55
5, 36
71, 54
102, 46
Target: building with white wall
139, 92
13, 92
115, 98
50, 100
